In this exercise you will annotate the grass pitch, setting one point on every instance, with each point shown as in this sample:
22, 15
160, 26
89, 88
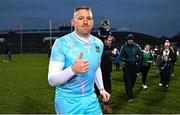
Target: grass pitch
24, 89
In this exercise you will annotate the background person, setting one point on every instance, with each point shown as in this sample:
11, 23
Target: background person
117, 60
131, 55
165, 65
104, 30
106, 68
145, 65
7, 54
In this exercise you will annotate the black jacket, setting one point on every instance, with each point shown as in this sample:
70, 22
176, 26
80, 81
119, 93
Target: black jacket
106, 62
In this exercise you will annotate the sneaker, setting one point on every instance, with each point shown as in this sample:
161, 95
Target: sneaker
160, 84
172, 75
157, 71
167, 85
144, 86
130, 100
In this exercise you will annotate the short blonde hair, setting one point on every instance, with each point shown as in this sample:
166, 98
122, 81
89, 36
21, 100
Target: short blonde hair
80, 8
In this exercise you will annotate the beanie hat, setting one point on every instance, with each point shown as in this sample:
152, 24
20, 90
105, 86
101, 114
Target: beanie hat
130, 37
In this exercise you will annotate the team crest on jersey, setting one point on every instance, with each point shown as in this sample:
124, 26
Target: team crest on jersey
97, 49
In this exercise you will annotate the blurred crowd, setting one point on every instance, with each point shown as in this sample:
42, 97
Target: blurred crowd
135, 61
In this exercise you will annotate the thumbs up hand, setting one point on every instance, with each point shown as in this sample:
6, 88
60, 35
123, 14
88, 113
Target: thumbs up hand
80, 65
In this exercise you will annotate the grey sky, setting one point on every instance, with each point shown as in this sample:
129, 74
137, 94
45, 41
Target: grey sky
154, 17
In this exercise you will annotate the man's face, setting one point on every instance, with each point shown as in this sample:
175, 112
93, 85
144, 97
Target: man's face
130, 42
83, 22
108, 42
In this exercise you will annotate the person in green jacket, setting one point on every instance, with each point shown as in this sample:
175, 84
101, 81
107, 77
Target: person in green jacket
145, 64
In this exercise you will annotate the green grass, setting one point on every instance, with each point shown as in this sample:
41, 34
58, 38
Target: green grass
24, 85
24, 89
151, 101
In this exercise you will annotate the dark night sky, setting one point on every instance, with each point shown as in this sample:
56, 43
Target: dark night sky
154, 17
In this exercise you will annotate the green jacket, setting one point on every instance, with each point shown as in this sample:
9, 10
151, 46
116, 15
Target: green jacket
147, 57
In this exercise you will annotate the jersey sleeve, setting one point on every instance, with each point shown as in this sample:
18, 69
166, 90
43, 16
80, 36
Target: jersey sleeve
57, 75
98, 79
57, 52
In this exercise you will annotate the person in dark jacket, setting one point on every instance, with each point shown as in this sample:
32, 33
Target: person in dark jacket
131, 55
7, 53
106, 68
104, 31
165, 65
106, 63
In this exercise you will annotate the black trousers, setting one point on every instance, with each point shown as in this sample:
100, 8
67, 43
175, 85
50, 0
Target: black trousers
107, 83
165, 72
144, 71
117, 66
130, 74
165, 76
172, 67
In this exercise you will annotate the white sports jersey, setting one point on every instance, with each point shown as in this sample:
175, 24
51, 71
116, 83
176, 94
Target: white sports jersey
66, 49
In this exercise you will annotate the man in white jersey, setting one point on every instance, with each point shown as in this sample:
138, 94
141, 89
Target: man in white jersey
74, 67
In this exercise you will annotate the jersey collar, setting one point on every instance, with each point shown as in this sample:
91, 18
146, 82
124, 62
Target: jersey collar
82, 39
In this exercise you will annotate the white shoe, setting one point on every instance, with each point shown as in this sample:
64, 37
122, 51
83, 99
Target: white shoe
130, 100
172, 75
157, 71
144, 86
160, 84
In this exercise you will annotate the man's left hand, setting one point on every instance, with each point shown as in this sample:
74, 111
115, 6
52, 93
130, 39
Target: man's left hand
105, 95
